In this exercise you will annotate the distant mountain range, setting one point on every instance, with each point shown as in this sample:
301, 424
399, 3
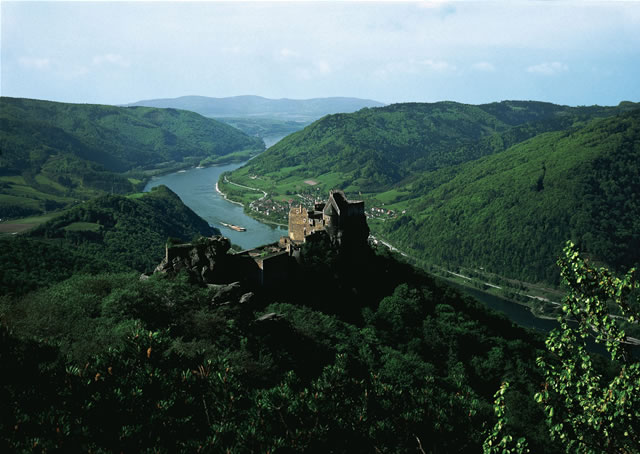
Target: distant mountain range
256, 106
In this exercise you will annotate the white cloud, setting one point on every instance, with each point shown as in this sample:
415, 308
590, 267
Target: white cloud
111, 59
35, 62
548, 68
483, 66
287, 53
75, 72
443, 8
323, 67
437, 65
414, 67
313, 70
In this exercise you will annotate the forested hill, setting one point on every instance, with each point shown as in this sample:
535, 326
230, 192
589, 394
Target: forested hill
511, 212
52, 153
109, 233
386, 356
257, 106
499, 186
374, 148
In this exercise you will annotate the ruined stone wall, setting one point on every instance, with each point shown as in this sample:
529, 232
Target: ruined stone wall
298, 223
303, 223
204, 261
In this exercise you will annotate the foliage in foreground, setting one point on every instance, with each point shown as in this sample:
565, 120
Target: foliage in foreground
588, 411
395, 361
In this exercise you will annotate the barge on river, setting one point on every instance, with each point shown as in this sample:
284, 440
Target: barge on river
237, 228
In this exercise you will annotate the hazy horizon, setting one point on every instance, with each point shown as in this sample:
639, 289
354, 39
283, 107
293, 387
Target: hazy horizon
566, 52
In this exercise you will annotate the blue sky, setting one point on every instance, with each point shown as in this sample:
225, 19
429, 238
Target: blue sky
567, 52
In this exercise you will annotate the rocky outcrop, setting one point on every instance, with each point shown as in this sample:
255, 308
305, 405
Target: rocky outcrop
230, 294
205, 261
225, 292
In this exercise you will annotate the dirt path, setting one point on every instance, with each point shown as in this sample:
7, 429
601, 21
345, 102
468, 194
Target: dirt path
8, 227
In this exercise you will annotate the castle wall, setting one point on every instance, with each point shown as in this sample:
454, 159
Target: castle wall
303, 223
298, 223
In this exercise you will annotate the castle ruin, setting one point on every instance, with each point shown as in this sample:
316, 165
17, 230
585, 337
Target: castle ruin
342, 220
339, 217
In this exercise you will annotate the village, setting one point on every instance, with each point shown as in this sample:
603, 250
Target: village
277, 211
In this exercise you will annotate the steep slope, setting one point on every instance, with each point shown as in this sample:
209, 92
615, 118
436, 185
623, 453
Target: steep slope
512, 212
128, 231
55, 152
374, 149
232, 370
257, 106
109, 233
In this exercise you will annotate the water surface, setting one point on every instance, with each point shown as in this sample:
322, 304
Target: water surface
197, 189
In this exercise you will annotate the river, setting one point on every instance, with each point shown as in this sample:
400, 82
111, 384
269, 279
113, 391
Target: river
197, 189
517, 313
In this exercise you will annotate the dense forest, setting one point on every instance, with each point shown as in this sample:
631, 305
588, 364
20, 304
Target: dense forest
110, 233
498, 187
264, 127
53, 154
356, 350
382, 356
514, 210
359, 353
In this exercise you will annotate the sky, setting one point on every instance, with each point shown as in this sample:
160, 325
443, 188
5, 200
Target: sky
567, 52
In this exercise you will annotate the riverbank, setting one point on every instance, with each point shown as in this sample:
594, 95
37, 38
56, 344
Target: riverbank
248, 205
224, 196
197, 189
481, 285
536, 299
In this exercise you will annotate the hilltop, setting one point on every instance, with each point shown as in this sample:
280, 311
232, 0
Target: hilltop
353, 351
53, 154
110, 233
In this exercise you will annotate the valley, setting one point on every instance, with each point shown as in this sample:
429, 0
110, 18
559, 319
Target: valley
498, 186
55, 155
118, 305
402, 227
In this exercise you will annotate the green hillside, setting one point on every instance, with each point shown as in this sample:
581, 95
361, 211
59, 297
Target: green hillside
499, 186
512, 212
374, 149
264, 127
159, 364
107, 234
357, 353
53, 154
